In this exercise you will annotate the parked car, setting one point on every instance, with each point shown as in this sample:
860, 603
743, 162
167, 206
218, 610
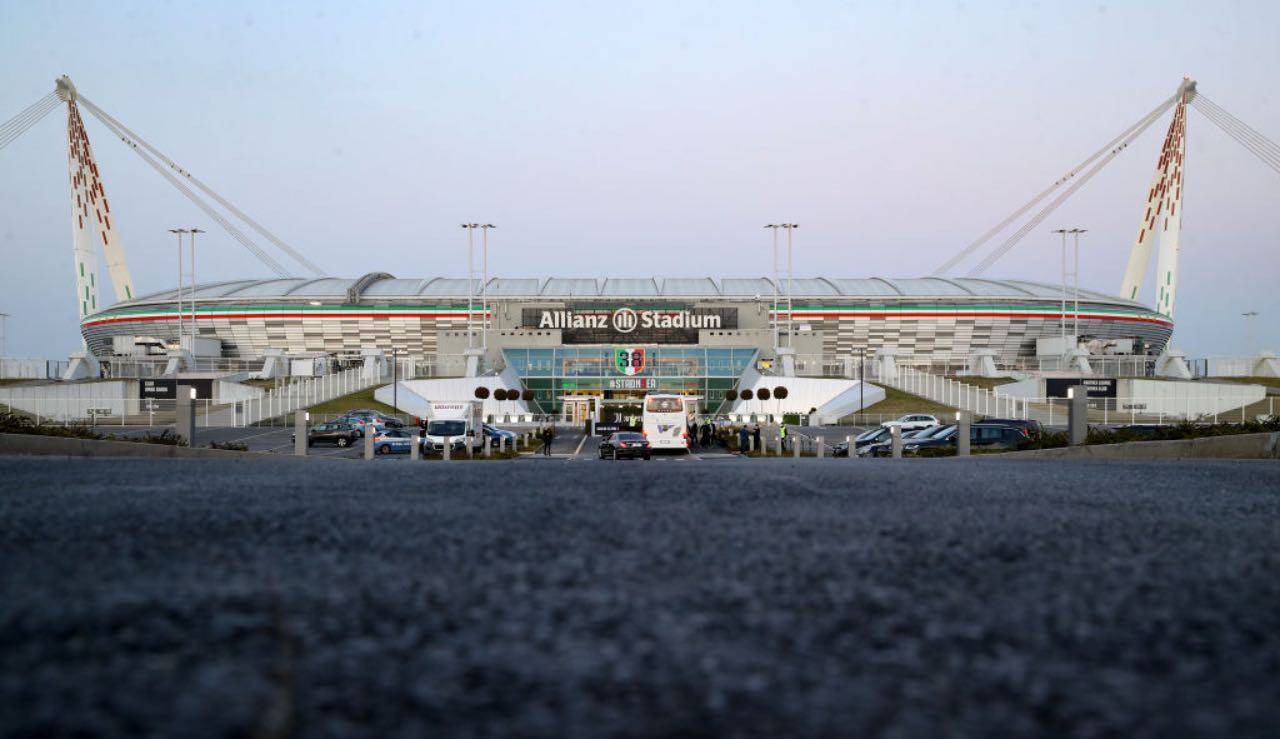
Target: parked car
377, 417
1033, 428
981, 436
861, 441
623, 444
393, 441
912, 422
334, 432
492, 434
885, 448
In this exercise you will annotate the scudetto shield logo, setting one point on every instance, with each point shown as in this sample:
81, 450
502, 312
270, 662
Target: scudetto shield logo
629, 361
625, 320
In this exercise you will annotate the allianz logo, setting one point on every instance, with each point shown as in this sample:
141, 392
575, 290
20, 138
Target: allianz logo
626, 320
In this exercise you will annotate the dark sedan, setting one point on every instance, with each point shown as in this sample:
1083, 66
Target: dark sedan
335, 432
623, 444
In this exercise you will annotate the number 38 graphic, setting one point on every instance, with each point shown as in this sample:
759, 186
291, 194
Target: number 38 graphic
630, 361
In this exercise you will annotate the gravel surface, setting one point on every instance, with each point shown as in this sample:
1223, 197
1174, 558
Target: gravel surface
948, 597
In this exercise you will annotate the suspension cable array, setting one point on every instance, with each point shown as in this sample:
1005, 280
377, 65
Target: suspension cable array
1128, 133
218, 218
135, 141
1013, 239
30, 116
1248, 137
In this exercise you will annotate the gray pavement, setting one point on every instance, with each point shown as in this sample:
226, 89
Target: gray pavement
757, 597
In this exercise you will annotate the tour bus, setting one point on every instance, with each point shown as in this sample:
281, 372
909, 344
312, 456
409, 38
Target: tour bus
666, 420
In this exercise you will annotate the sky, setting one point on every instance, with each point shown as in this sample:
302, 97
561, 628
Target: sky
635, 139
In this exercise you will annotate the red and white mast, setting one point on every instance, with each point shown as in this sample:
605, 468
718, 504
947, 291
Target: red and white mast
1162, 213
91, 220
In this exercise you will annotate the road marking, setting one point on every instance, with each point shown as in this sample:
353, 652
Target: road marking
579, 449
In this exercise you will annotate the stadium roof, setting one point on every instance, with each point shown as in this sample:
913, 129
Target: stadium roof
383, 286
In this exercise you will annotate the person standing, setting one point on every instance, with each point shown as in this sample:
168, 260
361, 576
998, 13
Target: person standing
742, 439
782, 435
756, 433
547, 435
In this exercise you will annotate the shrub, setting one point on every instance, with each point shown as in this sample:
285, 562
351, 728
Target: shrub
231, 446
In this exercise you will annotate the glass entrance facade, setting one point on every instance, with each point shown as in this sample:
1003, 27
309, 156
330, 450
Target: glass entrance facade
553, 373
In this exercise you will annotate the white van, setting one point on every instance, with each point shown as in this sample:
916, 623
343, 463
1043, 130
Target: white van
459, 421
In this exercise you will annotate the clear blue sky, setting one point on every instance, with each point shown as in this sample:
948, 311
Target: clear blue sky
630, 139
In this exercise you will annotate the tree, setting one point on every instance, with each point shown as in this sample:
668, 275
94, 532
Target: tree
482, 392
730, 395
763, 393
746, 394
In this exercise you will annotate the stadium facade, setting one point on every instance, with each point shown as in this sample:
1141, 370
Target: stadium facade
698, 334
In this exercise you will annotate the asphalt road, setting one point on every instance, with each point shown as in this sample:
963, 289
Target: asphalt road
985, 597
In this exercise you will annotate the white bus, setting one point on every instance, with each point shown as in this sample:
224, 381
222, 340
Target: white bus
666, 420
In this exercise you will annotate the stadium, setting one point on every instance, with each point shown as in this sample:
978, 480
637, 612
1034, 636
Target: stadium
700, 335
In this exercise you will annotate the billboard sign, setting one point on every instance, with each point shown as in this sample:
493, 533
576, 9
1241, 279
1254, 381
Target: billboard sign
1099, 387
636, 323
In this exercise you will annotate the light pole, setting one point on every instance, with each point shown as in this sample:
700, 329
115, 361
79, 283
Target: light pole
484, 288
1063, 318
179, 232
774, 227
1248, 330
1075, 277
471, 275
791, 227
194, 329
4, 319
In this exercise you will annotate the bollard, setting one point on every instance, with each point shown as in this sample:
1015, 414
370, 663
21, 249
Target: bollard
779, 445
300, 433
963, 421
415, 448
751, 444
795, 448
853, 452
895, 434
822, 444
488, 448
1077, 415
471, 450
502, 445
184, 421
447, 449
368, 440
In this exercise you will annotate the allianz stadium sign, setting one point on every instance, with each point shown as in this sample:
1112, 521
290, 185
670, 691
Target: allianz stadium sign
663, 325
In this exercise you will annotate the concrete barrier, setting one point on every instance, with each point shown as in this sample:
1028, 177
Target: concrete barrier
1236, 446
32, 444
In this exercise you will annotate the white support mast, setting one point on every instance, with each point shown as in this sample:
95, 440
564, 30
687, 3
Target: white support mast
90, 214
1162, 213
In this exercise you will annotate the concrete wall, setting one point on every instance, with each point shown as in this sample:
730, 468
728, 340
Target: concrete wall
32, 444
1186, 398
1238, 446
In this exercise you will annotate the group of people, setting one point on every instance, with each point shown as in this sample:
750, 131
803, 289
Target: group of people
703, 434
749, 437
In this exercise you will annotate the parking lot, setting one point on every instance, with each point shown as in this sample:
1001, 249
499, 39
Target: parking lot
569, 444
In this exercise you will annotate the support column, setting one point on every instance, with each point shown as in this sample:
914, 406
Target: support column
1077, 415
184, 408
300, 434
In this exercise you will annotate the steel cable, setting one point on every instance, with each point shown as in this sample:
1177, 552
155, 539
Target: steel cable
1269, 158
1016, 236
105, 117
221, 220
968, 250
22, 122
